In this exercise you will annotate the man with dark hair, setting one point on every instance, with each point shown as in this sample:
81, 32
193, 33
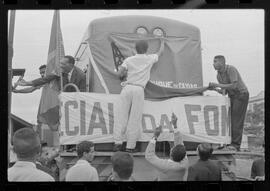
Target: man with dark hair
122, 167
70, 73
175, 168
42, 70
138, 69
231, 83
83, 170
26, 145
204, 169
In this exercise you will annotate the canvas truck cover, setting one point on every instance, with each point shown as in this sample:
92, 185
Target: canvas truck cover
177, 72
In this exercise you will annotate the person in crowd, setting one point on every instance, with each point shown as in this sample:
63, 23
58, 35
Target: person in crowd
231, 83
138, 69
204, 169
70, 74
41, 162
175, 168
122, 167
257, 168
42, 70
26, 145
83, 170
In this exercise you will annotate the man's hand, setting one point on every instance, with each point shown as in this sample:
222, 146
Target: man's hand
174, 120
218, 90
213, 85
22, 82
157, 131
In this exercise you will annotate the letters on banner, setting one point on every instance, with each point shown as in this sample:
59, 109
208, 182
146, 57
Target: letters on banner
95, 117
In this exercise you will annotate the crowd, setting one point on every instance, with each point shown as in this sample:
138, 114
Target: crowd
33, 165
136, 69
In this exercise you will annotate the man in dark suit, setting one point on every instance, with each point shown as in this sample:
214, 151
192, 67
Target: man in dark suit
70, 74
204, 169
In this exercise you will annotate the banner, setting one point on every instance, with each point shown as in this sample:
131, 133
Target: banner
95, 117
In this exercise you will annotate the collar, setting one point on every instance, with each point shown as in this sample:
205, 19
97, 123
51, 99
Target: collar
226, 68
140, 54
82, 161
70, 73
25, 164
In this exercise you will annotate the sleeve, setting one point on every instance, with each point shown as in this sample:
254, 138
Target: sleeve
154, 58
44, 80
82, 84
233, 74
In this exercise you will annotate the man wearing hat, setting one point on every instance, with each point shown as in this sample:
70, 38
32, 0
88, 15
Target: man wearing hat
26, 145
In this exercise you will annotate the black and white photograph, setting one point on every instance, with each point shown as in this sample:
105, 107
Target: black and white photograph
136, 95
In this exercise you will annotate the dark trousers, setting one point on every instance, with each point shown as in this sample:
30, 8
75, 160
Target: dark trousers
239, 105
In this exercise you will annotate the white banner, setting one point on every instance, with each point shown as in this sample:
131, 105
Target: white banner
94, 117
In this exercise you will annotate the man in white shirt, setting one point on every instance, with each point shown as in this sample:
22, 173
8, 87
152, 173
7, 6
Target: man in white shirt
176, 167
26, 145
138, 69
83, 170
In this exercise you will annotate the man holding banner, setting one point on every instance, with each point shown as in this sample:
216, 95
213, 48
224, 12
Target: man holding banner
230, 80
138, 74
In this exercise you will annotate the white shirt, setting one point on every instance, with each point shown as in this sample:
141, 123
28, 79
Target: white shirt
82, 171
139, 67
23, 171
69, 74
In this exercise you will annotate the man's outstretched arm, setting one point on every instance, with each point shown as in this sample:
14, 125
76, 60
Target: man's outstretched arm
26, 90
38, 81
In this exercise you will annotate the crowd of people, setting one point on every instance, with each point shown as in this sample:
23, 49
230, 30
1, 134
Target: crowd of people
136, 70
31, 164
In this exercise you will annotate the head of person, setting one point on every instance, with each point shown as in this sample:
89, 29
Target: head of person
205, 151
85, 150
44, 154
67, 63
219, 63
42, 70
122, 165
178, 153
26, 144
141, 46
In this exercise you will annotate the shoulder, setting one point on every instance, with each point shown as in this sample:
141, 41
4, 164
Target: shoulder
231, 68
153, 56
43, 175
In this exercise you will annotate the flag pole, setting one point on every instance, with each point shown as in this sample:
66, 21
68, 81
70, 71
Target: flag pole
58, 41
10, 56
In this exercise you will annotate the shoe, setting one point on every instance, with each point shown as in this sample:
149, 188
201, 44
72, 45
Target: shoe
117, 147
132, 150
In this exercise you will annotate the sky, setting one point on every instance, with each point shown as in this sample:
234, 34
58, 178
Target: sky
236, 34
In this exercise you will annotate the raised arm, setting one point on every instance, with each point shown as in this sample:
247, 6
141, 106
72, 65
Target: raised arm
25, 90
38, 81
161, 47
178, 138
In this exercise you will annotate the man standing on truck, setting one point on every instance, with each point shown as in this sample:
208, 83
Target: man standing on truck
138, 69
231, 83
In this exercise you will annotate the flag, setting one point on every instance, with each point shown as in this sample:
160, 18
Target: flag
48, 112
